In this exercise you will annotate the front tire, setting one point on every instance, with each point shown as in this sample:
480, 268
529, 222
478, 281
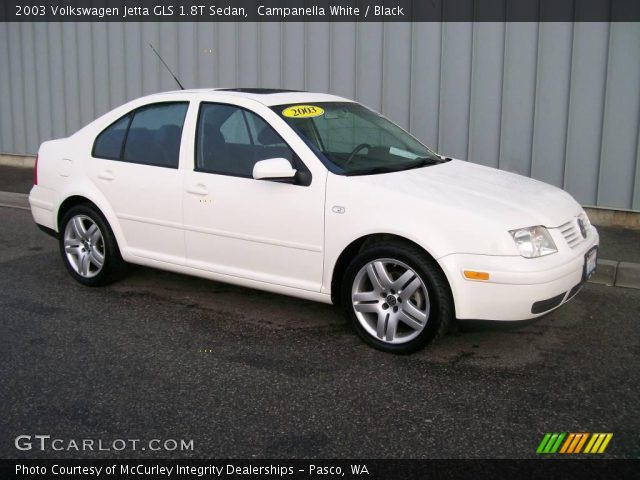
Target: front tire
88, 247
397, 297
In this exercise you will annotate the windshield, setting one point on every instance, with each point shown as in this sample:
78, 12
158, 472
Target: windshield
356, 140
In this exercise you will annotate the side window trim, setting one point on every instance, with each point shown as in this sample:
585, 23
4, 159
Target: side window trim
131, 114
297, 161
126, 134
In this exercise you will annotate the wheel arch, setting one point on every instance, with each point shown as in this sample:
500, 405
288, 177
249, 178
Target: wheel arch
71, 202
73, 199
363, 242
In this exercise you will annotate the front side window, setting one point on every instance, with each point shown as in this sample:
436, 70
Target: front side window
150, 135
230, 140
234, 128
356, 140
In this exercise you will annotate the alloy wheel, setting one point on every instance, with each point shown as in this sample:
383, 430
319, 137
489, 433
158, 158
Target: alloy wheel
390, 301
84, 246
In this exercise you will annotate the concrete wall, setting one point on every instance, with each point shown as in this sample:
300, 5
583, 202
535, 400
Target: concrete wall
557, 101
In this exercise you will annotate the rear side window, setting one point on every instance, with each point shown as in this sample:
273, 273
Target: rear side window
109, 142
152, 136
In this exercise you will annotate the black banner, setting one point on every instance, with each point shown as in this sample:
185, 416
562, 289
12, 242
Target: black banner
307, 469
319, 10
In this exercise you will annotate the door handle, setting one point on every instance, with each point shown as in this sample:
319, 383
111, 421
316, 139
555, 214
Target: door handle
106, 175
198, 189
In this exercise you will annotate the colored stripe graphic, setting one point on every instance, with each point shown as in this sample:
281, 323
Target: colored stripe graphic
596, 445
577, 443
567, 443
592, 440
598, 442
543, 443
551, 443
556, 445
606, 441
581, 442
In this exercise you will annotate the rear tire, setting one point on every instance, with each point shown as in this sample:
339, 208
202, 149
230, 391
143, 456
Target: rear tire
88, 247
397, 297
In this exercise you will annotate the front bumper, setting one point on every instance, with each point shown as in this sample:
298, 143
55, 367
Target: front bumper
518, 288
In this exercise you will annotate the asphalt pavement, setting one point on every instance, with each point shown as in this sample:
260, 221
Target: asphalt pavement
247, 374
15, 179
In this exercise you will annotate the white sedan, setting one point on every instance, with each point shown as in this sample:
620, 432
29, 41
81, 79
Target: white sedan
315, 196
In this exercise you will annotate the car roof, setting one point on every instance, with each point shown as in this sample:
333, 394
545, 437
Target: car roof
266, 96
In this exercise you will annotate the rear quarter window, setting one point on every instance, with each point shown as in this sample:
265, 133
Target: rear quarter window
109, 143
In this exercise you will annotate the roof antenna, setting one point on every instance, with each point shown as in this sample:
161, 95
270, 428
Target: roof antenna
167, 67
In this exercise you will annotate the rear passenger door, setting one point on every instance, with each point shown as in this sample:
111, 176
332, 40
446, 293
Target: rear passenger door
135, 165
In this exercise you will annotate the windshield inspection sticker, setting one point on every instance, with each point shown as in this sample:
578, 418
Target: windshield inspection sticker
302, 111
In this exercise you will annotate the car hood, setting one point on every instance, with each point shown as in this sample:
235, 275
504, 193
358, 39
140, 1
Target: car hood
504, 198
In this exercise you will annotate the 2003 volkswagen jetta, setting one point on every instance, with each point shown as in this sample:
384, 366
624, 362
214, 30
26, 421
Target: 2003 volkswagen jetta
315, 196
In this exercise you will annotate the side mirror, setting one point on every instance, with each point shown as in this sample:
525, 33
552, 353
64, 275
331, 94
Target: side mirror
274, 169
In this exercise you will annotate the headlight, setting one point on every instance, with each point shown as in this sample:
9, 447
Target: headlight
533, 242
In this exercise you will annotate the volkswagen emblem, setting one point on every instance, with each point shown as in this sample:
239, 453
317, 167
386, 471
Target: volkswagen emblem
583, 230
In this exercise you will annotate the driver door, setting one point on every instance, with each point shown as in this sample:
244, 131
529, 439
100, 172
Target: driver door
261, 230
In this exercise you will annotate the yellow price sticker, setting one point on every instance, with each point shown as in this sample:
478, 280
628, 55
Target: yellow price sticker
302, 111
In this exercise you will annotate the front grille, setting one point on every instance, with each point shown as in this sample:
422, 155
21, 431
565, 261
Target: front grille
571, 230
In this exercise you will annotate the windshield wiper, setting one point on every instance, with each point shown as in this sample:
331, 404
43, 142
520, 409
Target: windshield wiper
373, 171
398, 168
418, 163
423, 162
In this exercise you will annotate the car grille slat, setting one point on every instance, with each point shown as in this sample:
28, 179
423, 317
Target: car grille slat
571, 231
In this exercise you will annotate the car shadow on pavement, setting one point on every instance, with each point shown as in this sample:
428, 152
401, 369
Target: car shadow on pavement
238, 303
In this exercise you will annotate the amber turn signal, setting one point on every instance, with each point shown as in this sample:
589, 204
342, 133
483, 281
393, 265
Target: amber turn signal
473, 275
